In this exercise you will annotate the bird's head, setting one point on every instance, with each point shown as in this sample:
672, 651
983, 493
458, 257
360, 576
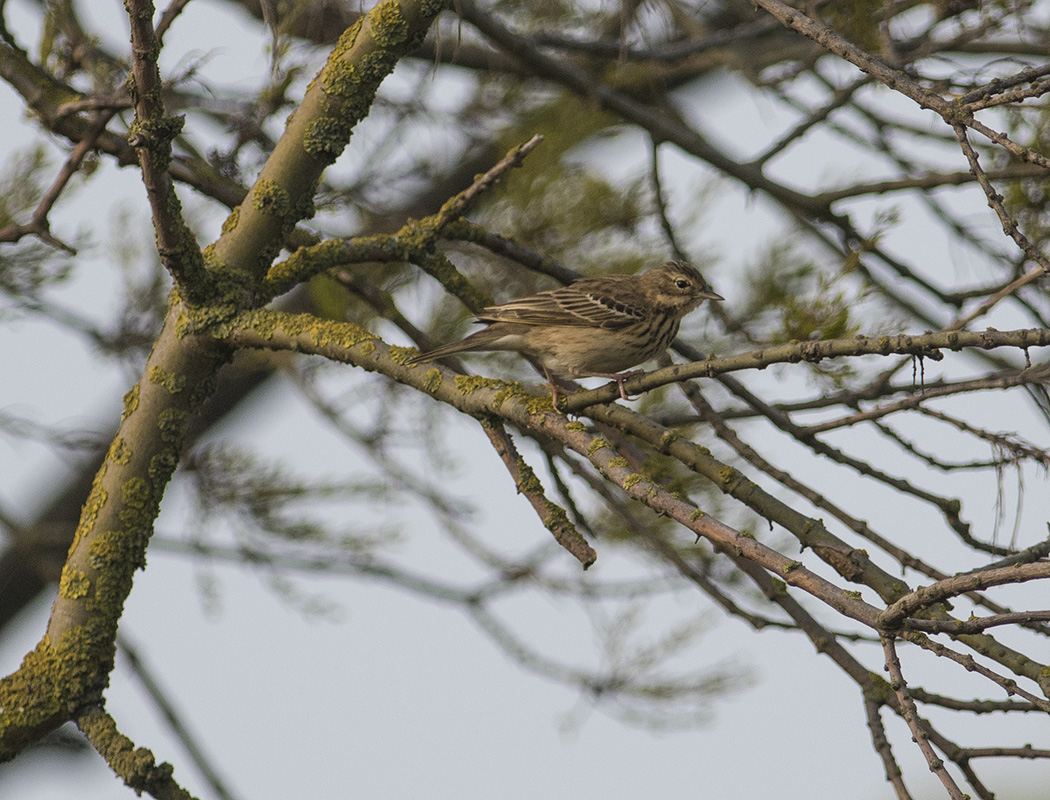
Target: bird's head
676, 286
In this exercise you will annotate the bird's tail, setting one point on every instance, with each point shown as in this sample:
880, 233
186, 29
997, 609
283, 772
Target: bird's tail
441, 352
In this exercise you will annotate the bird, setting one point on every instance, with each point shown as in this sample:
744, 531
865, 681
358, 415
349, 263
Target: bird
595, 327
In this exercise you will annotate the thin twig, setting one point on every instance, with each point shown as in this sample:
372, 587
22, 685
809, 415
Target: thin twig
942, 590
38, 223
839, 98
458, 205
168, 17
970, 664
882, 746
660, 201
167, 709
927, 345
975, 624
918, 725
151, 136
551, 514
974, 706
928, 392
929, 180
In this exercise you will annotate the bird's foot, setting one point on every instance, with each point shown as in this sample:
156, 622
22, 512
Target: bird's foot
621, 377
555, 393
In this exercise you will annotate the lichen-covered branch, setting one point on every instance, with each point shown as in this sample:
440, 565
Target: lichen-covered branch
550, 513
413, 242
338, 98
136, 766
151, 135
926, 345
482, 397
69, 669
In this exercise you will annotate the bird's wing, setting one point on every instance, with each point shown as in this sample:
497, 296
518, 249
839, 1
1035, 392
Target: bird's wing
588, 303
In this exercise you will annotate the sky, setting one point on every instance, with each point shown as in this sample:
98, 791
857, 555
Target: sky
387, 695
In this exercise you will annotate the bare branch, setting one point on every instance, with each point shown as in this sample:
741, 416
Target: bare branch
918, 725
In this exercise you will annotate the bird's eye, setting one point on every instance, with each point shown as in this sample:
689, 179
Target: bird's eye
682, 283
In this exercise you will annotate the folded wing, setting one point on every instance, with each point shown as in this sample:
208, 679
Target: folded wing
583, 304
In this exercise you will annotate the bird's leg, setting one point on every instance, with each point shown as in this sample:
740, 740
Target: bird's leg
553, 385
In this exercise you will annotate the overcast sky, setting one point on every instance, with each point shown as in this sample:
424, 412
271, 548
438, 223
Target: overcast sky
388, 696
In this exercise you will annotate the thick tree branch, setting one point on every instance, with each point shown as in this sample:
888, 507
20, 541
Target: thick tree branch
70, 667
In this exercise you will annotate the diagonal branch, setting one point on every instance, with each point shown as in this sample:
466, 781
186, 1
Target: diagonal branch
551, 514
151, 135
70, 667
919, 727
174, 720
662, 125
136, 766
38, 223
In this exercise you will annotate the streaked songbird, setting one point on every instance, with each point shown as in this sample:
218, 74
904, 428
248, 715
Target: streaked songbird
594, 327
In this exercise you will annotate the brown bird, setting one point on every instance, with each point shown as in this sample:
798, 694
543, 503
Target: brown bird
592, 328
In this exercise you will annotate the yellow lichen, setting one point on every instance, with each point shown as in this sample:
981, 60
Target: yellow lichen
135, 494
727, 475
163, 463
340, 79
388, 25
597, 445
432, 380
211, 259
104, 549
399, 355
527, 483
303, 264
172, 424
631, 480
96, 499
119, 452
231, 221
342, 334
268, 197
73, 584
325, 138
173, 383
56, 678
347, 39
509, 390
131, 402
468, 384
504, 390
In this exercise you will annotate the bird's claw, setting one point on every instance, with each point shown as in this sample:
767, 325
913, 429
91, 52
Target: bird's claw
624, 376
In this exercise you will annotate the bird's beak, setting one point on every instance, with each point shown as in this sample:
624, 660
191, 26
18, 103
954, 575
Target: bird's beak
710, 296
